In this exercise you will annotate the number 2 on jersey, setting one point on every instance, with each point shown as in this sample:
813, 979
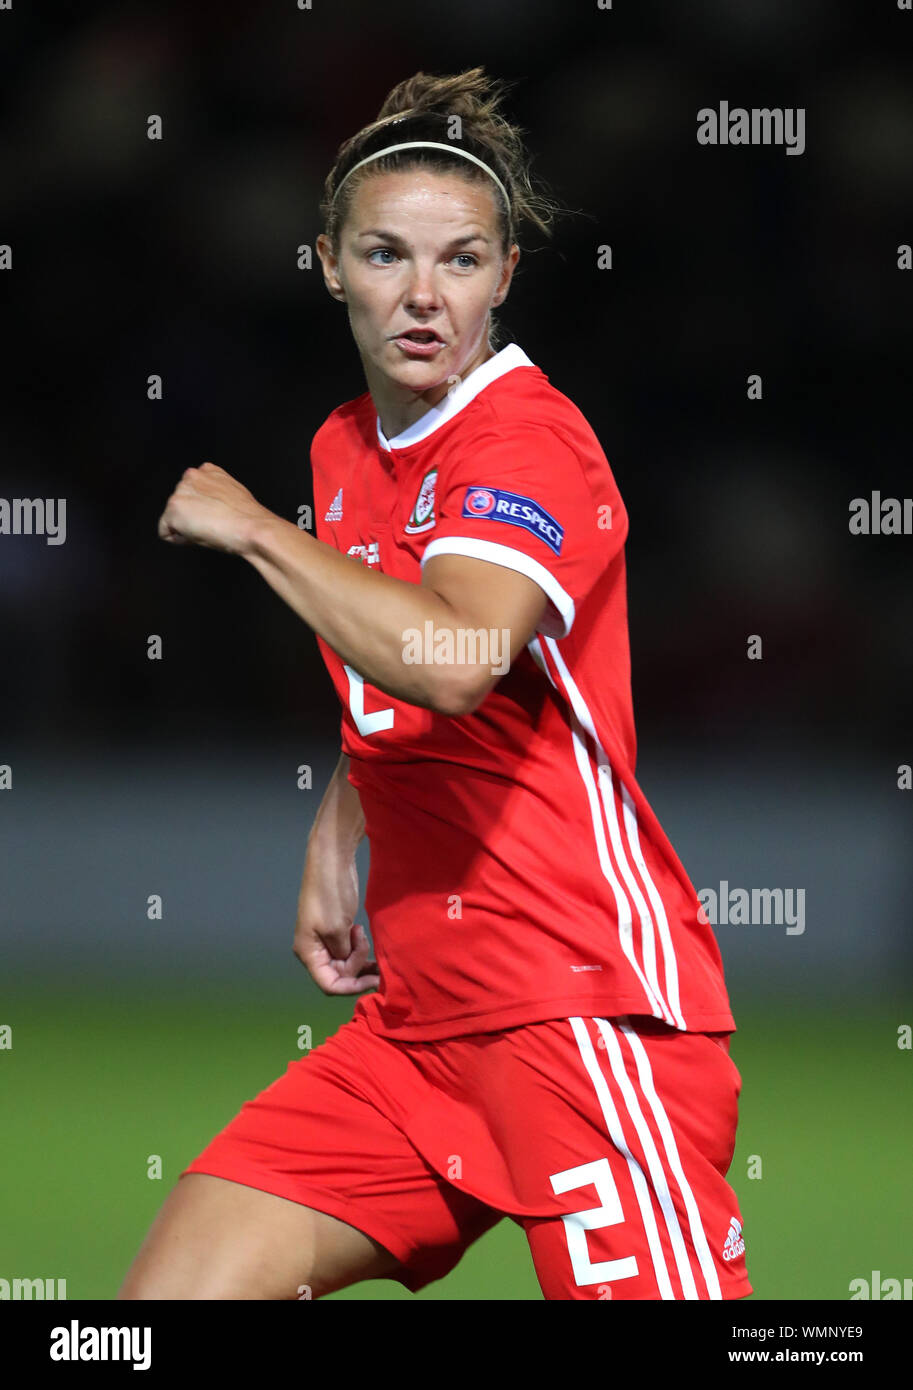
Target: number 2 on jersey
366, 724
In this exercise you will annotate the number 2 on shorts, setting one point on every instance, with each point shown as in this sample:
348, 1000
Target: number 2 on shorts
577, 1223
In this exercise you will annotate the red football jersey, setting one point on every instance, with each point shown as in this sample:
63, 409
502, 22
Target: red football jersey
517, 871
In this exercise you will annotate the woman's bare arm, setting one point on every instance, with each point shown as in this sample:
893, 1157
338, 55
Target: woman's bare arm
328, 940
364, 615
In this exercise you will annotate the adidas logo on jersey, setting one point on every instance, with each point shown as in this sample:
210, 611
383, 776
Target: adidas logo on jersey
335, 511
735, 1245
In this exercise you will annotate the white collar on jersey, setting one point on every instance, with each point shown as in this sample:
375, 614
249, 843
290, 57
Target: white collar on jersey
504, 361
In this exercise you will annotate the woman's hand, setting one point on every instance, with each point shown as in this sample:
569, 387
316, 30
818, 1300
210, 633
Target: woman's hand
328, 941
211, 508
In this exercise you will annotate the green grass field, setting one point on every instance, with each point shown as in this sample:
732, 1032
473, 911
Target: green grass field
94, 1083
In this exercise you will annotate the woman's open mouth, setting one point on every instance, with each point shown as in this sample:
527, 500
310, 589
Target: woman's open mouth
419, 342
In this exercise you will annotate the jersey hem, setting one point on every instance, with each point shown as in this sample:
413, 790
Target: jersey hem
496, 1020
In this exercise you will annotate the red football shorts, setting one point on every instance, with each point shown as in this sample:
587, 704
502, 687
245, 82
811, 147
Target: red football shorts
607, 1140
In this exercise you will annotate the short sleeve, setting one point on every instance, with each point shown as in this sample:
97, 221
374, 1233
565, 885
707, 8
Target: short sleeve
523, 498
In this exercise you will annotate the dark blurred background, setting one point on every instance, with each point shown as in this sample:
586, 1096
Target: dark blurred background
130, 257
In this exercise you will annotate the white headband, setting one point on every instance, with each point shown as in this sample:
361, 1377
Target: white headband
431, 145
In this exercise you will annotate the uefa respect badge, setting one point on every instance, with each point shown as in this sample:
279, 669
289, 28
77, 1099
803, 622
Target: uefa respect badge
493, 504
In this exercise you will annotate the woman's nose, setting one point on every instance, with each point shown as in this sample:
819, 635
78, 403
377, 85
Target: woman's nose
421, 292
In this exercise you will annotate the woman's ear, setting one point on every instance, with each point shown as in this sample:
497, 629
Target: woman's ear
510, 265
330, 263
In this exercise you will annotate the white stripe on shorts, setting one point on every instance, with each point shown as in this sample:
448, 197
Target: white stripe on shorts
616, 1134
654, 1162
698, 1235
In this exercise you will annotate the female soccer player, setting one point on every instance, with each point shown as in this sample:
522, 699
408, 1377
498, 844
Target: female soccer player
548, 1039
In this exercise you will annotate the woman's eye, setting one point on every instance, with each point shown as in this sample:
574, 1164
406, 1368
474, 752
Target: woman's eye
468, 259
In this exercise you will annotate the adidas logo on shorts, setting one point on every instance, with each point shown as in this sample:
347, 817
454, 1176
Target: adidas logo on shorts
335, 511
735, 1245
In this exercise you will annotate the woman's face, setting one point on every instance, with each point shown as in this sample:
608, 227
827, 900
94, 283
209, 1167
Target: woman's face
419, 250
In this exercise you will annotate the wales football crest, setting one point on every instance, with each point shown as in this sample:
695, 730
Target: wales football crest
423, 518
